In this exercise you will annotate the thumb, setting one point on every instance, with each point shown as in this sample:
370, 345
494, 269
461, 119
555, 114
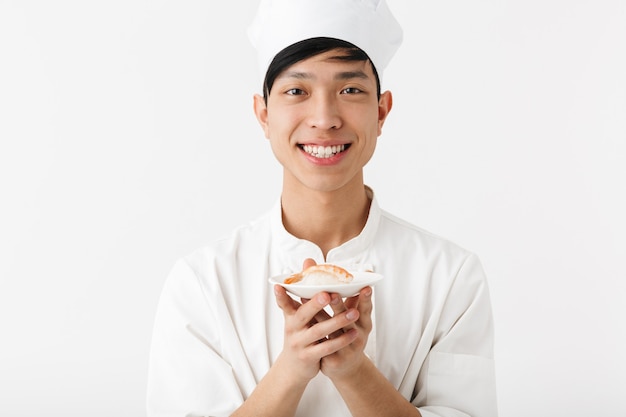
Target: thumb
308, 262
284, 301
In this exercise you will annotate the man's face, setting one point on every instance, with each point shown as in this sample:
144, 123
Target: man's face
322, 119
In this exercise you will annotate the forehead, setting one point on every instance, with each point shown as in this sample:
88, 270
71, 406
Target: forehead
337, 63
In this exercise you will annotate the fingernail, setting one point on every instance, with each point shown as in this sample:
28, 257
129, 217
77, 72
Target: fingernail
352, 314
367, 292
321, 298
335, 300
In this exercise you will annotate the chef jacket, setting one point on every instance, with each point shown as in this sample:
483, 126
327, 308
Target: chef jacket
218, 329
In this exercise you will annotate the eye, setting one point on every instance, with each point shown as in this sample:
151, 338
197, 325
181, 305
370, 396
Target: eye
294, 92
351, 90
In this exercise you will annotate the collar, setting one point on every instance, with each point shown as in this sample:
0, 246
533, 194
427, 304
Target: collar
352, 254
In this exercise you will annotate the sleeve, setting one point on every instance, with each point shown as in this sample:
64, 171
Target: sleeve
458, 375
186, 375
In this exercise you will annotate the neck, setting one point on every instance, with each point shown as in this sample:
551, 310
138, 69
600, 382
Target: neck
326, 218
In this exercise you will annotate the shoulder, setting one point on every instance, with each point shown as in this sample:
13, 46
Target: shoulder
428, 257
246, 239
444, 272
210, 276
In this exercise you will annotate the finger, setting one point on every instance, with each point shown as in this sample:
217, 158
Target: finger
308, 262
312, 310
329, 346
338, 307
319, 317
337, 304
352, 302
284, 301
364, 306
334, 326
364, 295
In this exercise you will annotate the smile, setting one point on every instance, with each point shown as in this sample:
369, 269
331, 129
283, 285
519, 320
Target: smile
323, 151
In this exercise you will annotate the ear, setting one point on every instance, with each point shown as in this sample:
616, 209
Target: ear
260, 111
384, 107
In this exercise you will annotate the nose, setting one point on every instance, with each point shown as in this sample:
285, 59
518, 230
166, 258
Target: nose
324, 112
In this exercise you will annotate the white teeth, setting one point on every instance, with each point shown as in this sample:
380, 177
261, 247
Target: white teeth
323, 151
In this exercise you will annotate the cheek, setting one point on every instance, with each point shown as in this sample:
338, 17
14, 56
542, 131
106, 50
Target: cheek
282, 126
365, 117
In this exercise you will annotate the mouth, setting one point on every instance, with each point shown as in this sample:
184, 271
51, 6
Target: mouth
324, 151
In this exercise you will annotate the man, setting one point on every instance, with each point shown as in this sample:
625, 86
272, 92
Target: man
419, 343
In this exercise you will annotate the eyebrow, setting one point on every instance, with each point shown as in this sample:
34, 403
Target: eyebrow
351, 74
344, 75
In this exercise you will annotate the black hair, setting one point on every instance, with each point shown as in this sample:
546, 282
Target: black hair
307, 48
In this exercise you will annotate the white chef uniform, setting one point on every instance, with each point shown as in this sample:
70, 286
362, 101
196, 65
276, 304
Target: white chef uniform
218, 328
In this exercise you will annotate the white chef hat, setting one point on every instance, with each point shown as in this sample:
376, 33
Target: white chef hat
367, 24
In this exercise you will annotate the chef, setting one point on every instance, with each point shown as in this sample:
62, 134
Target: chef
417, 343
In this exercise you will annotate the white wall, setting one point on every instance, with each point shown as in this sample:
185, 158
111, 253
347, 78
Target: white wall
127, 140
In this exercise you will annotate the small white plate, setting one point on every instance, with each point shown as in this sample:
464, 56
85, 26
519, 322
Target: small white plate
360, 280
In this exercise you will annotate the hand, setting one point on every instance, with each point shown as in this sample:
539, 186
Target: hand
310, 333
348, 359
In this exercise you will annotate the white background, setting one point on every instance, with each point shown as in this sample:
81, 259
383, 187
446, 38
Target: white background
127, 140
